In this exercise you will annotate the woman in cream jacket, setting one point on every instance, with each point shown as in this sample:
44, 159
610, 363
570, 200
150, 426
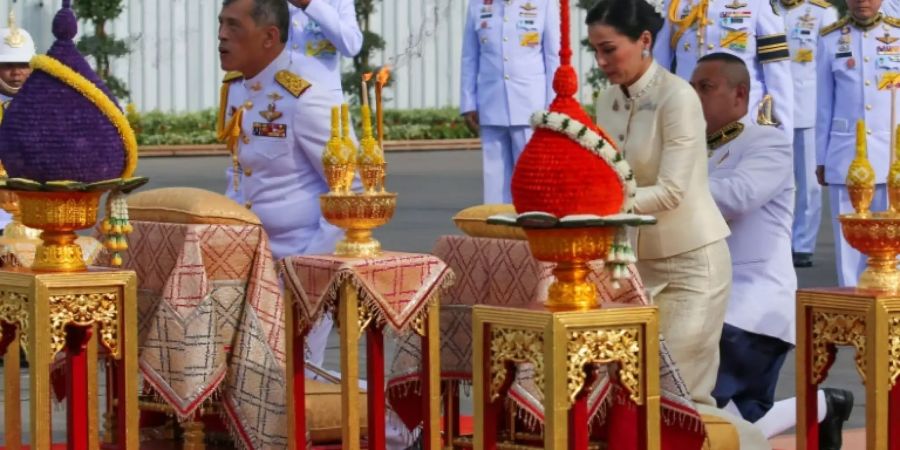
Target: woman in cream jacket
657, 122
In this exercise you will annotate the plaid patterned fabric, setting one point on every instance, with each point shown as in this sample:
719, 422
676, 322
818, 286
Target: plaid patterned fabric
503, 272
210, 317
396, 286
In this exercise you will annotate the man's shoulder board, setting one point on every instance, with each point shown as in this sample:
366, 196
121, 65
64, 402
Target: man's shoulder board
820, 3
835, 26
292, 82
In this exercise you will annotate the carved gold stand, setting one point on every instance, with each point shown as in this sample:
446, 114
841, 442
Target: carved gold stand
358, 215
47, 313
561, 346
876, 235
869, 321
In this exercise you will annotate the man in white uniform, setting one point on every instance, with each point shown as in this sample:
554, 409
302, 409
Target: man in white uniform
751, 181
804, 19
510, 53
749, 29
323, 31
857, 58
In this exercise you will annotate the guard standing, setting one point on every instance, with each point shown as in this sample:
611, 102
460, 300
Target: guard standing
510, 53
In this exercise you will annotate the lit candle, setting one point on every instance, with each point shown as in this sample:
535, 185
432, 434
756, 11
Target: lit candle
383, 76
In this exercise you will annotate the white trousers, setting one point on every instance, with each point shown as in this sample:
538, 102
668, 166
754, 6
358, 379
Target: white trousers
783, 415
501, 148
808, 206
850, 262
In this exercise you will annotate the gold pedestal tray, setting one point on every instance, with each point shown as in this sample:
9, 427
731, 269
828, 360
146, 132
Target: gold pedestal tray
59, 215
358, 215
877, 235
571, 249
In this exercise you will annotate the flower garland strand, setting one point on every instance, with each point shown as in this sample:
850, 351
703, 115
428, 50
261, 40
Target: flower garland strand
116, 226
620, 253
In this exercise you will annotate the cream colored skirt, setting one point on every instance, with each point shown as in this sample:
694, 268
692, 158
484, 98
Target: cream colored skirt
692, 290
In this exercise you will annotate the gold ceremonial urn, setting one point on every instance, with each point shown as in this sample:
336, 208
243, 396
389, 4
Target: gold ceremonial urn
59, 215
356, 213
875, 234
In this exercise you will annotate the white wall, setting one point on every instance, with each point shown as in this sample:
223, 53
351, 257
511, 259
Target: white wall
174, 63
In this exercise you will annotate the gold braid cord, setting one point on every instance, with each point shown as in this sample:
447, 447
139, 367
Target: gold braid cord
622, 345
894, 349
518, 346
85, 310
830, 329
14, 311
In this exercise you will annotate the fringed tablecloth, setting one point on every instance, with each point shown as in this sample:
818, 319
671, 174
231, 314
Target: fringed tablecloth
211, 317
503, 272
394, 287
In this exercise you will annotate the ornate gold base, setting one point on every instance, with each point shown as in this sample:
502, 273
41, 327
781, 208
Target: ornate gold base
358, 243
571, 249
877, 235
560, 346
861, 198
358, 215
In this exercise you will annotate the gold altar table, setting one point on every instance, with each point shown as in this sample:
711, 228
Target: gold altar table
47, 313
868, 321
563, 346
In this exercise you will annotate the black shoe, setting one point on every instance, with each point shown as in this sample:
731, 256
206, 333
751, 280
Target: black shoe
802, 259
839, 403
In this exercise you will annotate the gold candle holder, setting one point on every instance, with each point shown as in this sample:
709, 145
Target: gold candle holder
338, 159
861, 175
58, 215
571, 249
893, 182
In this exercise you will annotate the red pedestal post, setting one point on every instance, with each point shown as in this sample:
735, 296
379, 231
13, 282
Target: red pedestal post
375, 393
78, 413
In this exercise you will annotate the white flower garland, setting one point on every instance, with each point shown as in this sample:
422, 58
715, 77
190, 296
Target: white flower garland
620, 254
657, 6
594, 143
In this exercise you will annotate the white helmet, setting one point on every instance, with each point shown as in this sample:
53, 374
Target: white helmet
16, 45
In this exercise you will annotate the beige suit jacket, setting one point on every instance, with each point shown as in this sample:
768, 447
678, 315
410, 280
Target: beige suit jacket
660, 127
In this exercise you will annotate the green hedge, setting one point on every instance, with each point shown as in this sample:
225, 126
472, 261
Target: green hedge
156, 128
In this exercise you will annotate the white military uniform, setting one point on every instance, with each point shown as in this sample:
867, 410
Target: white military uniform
748, 29
891, 8
285, 125
751, 180
853, 60
16, 46
320, 35
510, 53
803, 20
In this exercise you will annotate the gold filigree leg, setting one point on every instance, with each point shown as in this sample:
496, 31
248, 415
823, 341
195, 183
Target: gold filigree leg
194, 438
830, 329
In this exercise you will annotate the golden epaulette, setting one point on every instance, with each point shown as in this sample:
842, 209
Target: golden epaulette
292, 82
892, 21
836, 26
820, 3
232, 76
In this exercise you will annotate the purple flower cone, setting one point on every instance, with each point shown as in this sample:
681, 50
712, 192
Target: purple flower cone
51, 132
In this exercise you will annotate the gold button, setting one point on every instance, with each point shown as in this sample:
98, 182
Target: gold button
505, 39
505, 19
484, 40
248, 104
248, 205
505, 77
868, 82
248, 171
869, 131
866, 59
868, 107
506, 59
865, 34
710, 46
296, 46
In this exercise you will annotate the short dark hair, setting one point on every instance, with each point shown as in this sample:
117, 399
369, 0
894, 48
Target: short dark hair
738, 72
629, 17
270, 12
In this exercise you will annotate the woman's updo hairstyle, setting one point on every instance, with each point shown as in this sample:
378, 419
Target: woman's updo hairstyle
629, 17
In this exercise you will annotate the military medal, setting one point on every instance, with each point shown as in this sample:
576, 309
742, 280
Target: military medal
887, 39
271, 112
272, 130
736, 4
851, 62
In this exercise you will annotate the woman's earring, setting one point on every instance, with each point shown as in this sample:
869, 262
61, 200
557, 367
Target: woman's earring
645, 53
